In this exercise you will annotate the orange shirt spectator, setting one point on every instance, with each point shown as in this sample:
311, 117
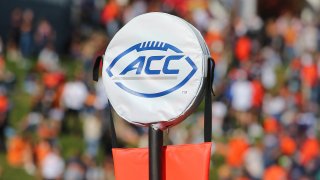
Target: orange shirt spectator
41, 151
309, 150
215, 43
243, 48
110, 11
51, 80
257, 96
236, 150
275, 172
287, 145
16, 151
4, 103
290, 36
57, 96
309, 75
270, 125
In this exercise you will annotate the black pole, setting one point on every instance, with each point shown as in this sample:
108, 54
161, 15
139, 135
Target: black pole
112, 130
155, 153
208, 104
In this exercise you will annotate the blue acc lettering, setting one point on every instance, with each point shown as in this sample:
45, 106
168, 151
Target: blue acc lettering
138, 65
150, 66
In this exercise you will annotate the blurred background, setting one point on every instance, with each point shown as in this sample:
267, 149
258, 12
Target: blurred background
54, 118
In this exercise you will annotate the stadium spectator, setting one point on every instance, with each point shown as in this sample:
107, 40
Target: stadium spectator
73, 98
26, 38
52, 164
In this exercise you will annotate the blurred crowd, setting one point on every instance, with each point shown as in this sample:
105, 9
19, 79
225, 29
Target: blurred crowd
267, 85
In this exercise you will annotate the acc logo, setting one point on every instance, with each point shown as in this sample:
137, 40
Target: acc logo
155, 60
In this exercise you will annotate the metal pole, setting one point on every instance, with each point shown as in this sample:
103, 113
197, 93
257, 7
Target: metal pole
208, 102
155, 153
